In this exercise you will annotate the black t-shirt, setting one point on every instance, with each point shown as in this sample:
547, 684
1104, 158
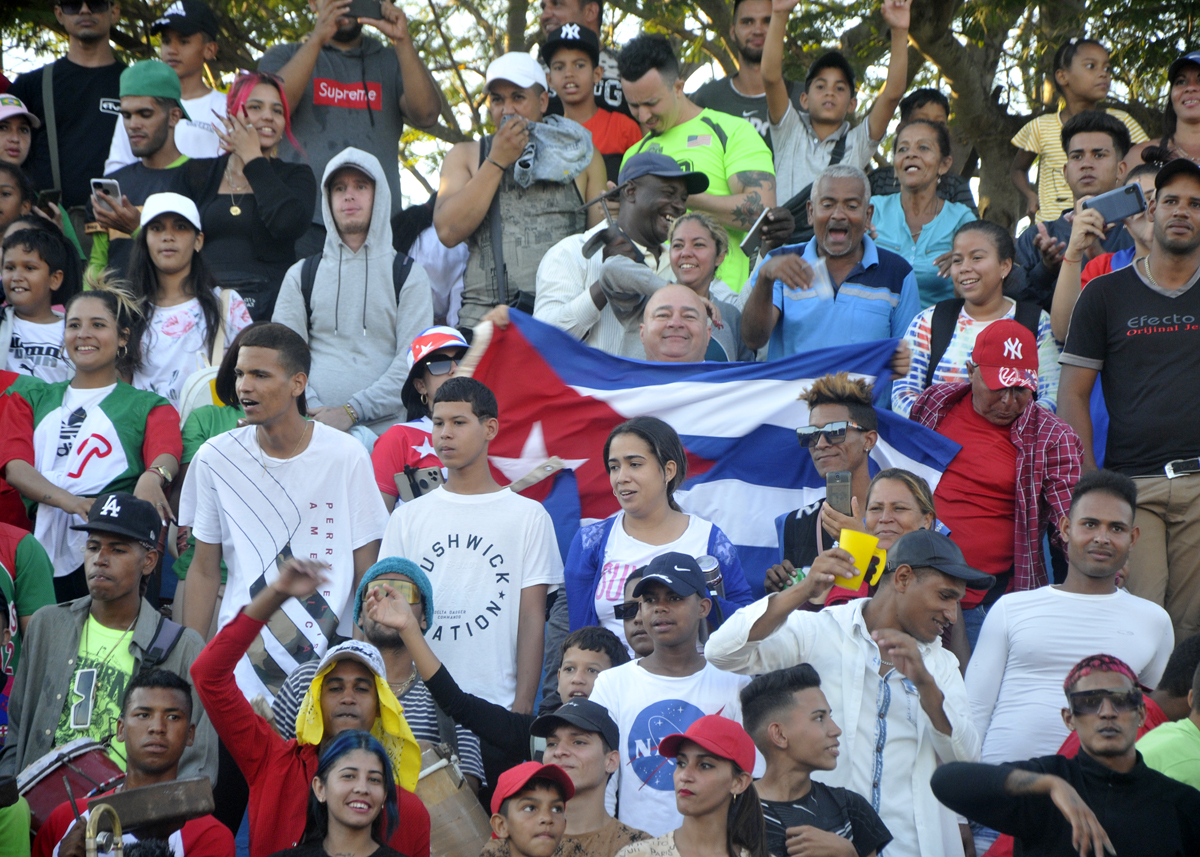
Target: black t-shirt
800, 535
721, 95
317, 849
1147, 346
86, 109
834, 810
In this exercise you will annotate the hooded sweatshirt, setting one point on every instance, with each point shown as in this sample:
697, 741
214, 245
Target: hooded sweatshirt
359, 336
353, 99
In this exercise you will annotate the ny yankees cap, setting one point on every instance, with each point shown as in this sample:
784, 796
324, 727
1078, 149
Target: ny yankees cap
571, 36
187, 17
677, 571
123, 515
1006, 354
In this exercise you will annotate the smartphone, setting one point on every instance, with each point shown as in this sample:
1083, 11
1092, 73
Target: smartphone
46, 197
412, 482
753, 239
1118, 204
109, 186
837, 491
365, 9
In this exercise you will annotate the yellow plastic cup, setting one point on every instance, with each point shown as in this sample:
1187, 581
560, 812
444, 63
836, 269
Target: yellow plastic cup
861, 546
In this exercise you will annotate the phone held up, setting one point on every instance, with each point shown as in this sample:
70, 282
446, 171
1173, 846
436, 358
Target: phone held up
837, 491
1118, 204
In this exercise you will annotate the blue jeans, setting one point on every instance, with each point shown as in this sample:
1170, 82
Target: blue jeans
972, 622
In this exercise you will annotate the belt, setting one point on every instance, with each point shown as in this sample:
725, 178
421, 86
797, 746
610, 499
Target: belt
1182, 467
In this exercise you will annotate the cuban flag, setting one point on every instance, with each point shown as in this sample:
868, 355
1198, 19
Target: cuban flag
559, 397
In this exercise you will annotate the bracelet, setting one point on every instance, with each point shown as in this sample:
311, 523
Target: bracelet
1067, 258
495, 164
353, 416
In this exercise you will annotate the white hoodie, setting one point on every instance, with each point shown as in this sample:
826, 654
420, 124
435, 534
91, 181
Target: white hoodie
359, 336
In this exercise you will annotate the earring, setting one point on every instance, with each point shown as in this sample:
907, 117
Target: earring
122, 351
424, 400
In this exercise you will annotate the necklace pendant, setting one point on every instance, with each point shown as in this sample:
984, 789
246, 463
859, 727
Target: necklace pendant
235, 210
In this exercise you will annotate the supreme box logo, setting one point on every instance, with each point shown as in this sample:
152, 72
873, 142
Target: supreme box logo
334, 93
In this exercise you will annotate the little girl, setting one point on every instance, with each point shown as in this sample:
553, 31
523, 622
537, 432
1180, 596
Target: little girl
185, 310
37, 274
1082, 78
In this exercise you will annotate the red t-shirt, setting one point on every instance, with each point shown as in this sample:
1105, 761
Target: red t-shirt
977, 495
12, 509
202, 837
408, 444
612, 133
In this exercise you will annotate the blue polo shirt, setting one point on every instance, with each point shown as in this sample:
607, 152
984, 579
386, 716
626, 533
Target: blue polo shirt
877, 301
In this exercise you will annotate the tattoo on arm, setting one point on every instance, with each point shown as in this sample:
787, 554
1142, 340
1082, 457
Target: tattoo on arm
755, 178
748, 211
1021, 782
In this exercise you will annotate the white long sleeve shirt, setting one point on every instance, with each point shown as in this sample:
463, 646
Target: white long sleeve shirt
889, 746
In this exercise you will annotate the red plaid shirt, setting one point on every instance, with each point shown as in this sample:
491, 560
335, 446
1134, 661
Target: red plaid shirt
1049, 454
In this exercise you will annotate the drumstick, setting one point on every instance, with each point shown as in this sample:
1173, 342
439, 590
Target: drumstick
71, 797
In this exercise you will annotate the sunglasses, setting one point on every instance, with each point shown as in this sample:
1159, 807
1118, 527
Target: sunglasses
834, 432
1090, 701
74, 7
628, 610
406, 590
442, 365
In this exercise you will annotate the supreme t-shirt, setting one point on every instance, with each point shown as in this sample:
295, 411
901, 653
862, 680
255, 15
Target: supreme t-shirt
1147, 342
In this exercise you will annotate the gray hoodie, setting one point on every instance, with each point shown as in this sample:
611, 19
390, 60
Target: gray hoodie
359, 336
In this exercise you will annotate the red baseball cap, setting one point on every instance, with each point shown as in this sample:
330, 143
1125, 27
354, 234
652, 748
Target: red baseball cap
1006, 354
718, 735
515, 779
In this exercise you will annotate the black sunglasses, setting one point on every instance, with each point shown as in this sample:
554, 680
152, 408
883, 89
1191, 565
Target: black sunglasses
1090, 701
74, 7
834, 432
442, 365
627, 610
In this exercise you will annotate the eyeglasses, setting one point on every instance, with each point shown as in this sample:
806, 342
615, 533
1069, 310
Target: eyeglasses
406, 590
442, 365
1090, 701
74, 7
834, 432
628, 610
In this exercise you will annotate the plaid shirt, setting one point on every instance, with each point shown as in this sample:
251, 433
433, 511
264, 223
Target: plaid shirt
1048, 466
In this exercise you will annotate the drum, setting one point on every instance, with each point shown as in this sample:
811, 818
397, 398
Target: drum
458, 826
83, 762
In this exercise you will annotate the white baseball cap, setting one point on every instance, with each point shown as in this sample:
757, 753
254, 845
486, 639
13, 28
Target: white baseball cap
356, 650
517, 67
171, 203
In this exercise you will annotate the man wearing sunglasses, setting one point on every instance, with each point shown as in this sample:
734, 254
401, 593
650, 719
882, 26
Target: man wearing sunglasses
1104, 801
86, 95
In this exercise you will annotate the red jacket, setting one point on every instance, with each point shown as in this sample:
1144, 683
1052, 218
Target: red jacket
280, 773
202, 837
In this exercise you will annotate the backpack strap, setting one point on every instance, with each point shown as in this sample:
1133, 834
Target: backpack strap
401, 266
51, 124
839, 149
166, 635
497, 232
308, 278
941, 331
722, 137
791, 536
1029, 313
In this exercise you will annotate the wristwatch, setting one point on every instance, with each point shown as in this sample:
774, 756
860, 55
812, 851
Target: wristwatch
167, 478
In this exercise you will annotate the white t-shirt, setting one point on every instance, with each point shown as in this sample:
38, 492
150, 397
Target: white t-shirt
480, 551
75, 406
1029, 643
647, 708
195, 137
322, 504
623, 554
37, 350
173, 346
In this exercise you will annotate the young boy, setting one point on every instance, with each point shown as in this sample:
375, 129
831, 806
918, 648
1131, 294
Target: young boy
664, 692
189, 41
529, 808
629, 612
789, 719
805, 143
572, 53
35, 265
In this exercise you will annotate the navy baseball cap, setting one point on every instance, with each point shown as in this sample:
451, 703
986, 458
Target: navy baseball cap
1190, 58
574, 36
677, 571
930, 549
123, 515
583, 713
663, 166
187, 17
1173, 168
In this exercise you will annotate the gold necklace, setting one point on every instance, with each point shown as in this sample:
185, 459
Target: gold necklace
1150, 275
234, 208
401, 688
262, 456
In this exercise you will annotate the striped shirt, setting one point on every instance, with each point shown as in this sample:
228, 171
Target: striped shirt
419, 711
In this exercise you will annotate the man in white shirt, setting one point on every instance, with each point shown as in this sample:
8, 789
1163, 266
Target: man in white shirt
896, 692
571, 295
1030, 640
281, 486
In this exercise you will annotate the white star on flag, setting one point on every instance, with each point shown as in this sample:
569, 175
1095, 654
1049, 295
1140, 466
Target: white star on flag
425, 448
533, 453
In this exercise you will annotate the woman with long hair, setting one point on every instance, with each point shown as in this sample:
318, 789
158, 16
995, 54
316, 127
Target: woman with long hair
714, 792
352, 801
185, 309
262, 204
646, 464
980, 262
62, 444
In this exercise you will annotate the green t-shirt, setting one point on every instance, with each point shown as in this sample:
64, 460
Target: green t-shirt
1174, 749
14, 829
203, 423
28, 591
719, 146
93, 704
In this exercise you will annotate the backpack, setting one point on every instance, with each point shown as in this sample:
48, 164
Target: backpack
798, 204
945, 317
401, 265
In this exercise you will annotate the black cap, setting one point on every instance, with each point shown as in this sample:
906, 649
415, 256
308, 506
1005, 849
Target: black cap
587, 715
663, 166
124, 515
1173, 168
930, 549
677, 571
187, 17
574, 36
1190, 58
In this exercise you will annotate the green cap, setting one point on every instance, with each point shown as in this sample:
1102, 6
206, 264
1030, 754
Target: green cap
154, 79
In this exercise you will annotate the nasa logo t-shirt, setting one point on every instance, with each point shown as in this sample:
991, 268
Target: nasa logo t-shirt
647, 708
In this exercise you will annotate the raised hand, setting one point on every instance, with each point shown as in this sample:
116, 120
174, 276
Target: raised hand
329, 14
1051, 248
385, 606
834, 521
896, 13
394, 24
239, 137
299, 578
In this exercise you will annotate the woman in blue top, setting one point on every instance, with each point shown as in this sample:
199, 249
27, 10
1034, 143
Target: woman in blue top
917, 223
646, 463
